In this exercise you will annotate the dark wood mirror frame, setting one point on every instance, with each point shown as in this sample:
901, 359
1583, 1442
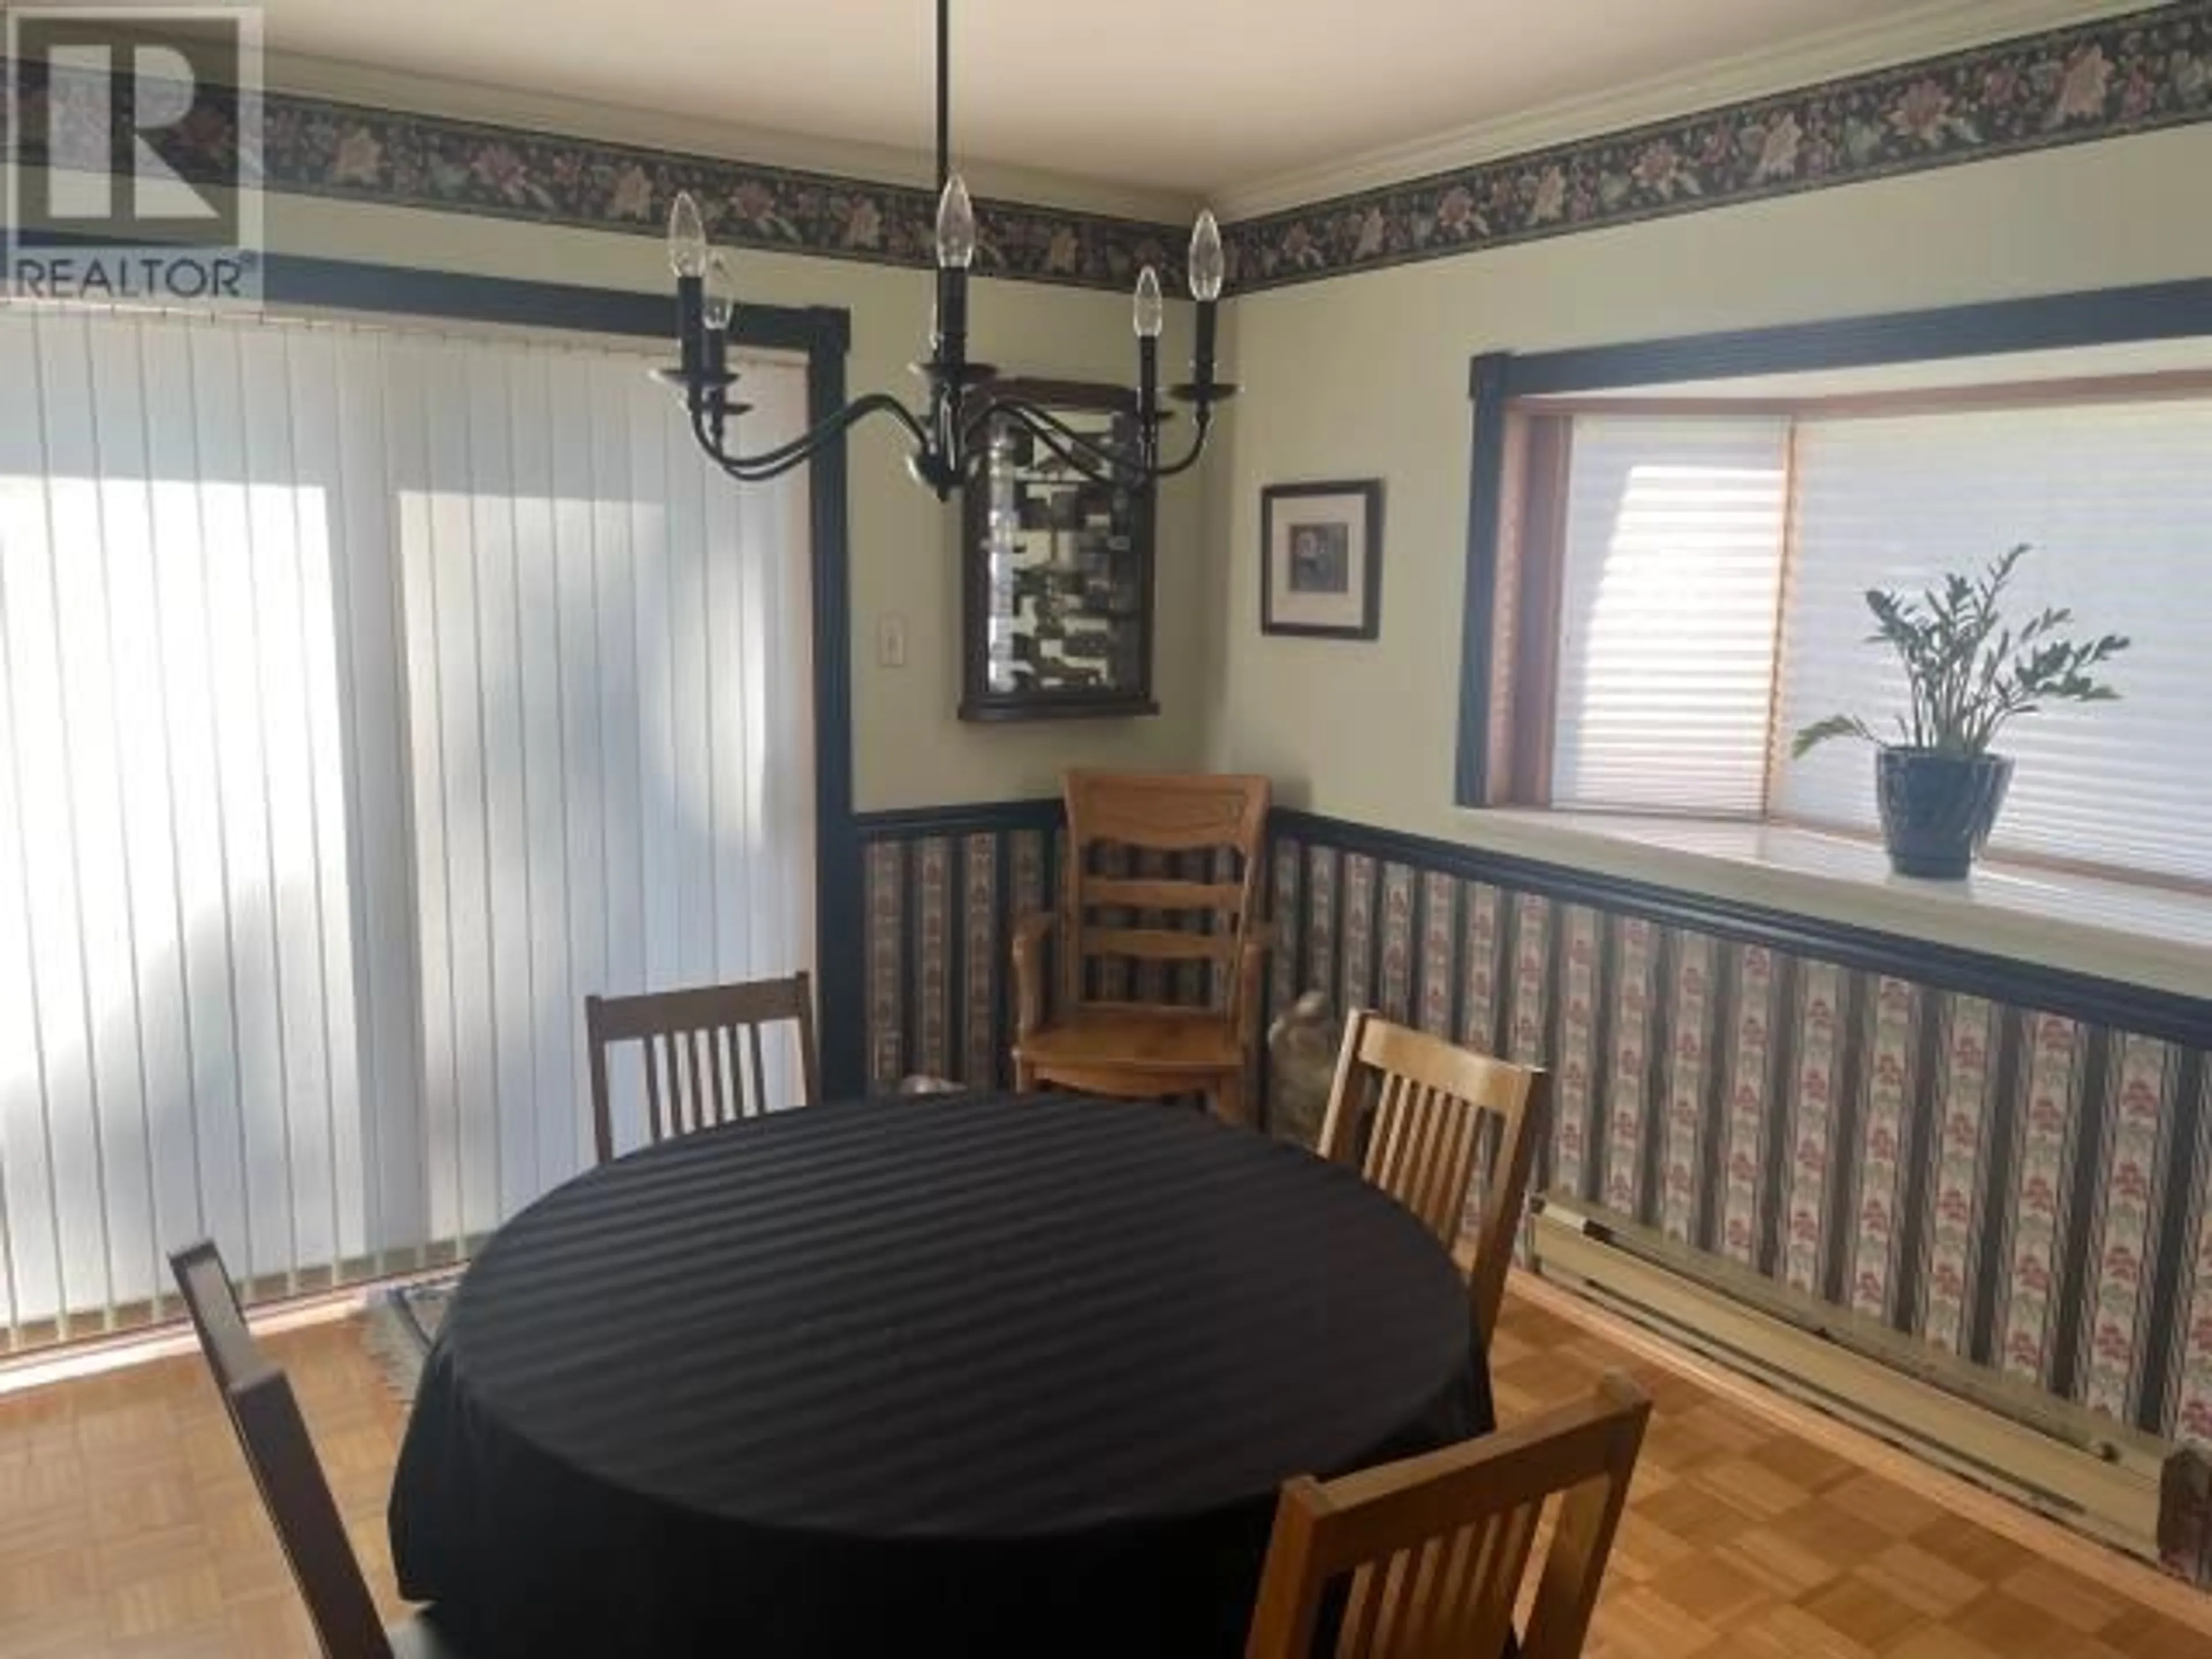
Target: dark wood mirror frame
1117, 563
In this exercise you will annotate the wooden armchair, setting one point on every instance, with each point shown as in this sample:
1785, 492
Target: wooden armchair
1110, 927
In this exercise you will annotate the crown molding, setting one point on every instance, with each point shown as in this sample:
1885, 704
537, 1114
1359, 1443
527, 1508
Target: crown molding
2114, 68
1853, 49
2130, 71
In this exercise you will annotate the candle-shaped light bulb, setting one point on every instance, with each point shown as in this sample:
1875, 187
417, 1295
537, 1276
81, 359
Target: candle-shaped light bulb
721, 293
956, 226
687, 237
1207, 265
1152, 314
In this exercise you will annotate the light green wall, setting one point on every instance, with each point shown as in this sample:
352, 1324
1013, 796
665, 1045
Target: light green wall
1366, 376
1353, 377
909, 750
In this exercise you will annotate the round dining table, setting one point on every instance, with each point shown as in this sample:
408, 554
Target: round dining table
962, 1374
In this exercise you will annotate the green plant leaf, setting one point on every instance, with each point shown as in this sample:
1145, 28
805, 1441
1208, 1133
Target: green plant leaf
1835, 726
1967, 672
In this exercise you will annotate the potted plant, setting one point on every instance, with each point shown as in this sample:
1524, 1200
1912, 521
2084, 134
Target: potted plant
1969, 673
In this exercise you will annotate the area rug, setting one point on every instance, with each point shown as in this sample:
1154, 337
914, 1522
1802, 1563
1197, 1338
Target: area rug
399, 1324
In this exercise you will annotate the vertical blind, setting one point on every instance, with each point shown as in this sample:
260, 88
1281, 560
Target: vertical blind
1672, 564
2117, 500
366, 698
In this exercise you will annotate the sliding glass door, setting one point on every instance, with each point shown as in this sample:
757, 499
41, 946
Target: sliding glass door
368, 697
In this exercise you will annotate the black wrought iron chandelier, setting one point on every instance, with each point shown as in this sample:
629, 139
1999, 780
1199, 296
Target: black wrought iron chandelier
963, 400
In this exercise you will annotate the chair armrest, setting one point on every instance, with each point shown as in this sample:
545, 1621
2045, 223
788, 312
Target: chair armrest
1029, 971
1245, 993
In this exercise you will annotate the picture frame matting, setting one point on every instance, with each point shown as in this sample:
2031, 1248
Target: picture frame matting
1321, 559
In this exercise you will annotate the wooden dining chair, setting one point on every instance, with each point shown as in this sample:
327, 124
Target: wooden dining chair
1431, 1551
1408, 1108
701, 1045
1106, 1036
265, 1416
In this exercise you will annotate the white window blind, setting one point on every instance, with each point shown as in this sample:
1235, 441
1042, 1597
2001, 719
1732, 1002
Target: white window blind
366, 698
2116, 499
1672, 561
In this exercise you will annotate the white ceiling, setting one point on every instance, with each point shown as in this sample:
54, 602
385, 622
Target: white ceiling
1195, 97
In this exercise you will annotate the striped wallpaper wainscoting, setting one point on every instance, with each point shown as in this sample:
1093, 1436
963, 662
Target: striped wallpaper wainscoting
943, 890
2017, 1179
2006, 1163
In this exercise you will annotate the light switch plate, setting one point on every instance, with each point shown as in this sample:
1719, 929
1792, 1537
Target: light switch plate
890, 642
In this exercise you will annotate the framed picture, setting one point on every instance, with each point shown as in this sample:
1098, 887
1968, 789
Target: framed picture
1321, 559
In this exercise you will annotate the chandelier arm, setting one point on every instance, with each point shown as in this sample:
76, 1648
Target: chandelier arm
772, 463
1037, 418
1203, 419
761, 474
1060, 438
768, 463
1078, 452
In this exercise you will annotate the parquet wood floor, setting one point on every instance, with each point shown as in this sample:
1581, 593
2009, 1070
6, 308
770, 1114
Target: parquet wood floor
129, 1528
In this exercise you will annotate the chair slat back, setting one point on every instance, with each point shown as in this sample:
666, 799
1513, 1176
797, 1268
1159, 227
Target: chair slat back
1163, 873
1432, 1551
1409, 1110
265, 1415
704, 1061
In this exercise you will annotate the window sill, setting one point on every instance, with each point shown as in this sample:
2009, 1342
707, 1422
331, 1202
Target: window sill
2139, 935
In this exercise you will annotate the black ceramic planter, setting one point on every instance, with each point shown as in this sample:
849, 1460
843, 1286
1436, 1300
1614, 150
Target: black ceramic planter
1937, 809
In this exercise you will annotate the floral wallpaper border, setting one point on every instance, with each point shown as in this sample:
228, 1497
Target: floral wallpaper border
316, 147
335, 151
2100, 80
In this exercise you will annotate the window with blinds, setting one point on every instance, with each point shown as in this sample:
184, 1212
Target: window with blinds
366, 698
2117, 500
1712, 601
1672, 563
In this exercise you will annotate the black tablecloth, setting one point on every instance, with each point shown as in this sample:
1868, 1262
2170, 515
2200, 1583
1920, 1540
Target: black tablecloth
964, 1375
